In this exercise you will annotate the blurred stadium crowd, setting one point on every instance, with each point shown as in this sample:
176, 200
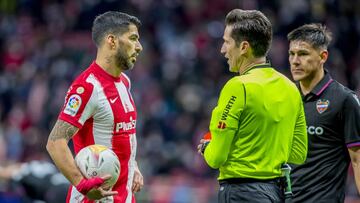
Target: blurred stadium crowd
44, 44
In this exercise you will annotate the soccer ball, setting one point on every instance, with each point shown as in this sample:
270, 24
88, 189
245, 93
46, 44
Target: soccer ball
98, 160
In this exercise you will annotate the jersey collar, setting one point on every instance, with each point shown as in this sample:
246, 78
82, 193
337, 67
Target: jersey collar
102, 72
319, 88
263, 65
323, 84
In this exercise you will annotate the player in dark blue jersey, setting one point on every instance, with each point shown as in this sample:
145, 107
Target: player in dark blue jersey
333, 120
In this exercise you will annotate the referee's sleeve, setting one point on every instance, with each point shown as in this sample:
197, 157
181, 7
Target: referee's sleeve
299, 147
224, 123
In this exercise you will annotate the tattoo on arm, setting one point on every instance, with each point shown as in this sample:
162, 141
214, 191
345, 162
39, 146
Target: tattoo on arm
62, 130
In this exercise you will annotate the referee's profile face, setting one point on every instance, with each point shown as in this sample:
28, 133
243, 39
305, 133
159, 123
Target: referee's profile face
230, 50
305, 60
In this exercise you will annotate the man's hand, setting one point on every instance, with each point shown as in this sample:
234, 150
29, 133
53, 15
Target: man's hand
92, 189
138, 181
203, 144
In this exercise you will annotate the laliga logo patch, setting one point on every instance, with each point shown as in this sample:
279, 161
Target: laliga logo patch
73, 105
322, 105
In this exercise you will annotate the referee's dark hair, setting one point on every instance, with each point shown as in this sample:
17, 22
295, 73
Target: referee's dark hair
252, 26
315, 34
112, 22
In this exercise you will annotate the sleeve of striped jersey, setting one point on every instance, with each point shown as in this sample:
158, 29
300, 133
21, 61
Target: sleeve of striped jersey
351, 116
224, 123
299, 147
79, 104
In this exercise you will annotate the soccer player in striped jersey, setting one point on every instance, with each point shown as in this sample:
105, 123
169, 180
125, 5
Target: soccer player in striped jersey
99, 109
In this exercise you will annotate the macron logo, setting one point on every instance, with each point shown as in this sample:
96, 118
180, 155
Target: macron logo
113, 100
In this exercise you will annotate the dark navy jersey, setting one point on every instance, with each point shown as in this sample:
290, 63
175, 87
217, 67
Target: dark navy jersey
333, 123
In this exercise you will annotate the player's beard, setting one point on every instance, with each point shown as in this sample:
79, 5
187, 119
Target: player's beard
122, 60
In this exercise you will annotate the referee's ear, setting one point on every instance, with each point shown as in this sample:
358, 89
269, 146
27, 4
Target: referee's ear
324, 56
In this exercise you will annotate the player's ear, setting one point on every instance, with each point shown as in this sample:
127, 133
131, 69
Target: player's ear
110, 41
244, 47
324, 54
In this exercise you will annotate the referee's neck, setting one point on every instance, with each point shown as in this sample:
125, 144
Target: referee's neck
248, 64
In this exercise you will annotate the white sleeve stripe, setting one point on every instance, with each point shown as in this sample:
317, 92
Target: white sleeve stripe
90, 105
102, 135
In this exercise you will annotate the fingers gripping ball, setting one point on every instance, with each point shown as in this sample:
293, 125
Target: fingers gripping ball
97, 161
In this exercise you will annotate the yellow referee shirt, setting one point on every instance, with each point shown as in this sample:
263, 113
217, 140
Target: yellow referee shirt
258, 125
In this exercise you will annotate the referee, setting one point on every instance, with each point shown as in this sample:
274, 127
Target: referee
333, 120
259, 121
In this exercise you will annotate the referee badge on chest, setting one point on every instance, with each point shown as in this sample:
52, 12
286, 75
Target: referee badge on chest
322, 105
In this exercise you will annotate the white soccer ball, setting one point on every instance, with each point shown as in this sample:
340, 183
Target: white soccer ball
98, 160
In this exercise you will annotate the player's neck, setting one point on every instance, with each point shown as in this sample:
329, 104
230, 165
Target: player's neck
108, 64
250, 63
307, 85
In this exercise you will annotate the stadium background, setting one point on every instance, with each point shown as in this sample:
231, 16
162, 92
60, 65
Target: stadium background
44, 44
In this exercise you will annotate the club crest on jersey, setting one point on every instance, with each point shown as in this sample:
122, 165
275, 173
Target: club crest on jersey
73, 105
322, 105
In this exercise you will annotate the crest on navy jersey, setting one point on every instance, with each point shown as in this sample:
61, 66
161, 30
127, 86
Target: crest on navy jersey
322, 105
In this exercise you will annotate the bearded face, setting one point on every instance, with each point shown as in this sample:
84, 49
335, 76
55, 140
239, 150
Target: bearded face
123, 60
129, 48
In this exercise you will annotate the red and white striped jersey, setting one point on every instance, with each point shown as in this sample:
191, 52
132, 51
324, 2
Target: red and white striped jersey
102, 107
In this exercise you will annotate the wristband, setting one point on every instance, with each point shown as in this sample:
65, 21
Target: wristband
86, 185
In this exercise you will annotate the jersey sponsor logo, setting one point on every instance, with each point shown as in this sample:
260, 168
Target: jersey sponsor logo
313, 130
221, 125
125, 126
228, 108
73, 105
322, 105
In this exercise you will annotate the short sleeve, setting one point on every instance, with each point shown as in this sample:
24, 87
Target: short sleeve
351, 116
79, 104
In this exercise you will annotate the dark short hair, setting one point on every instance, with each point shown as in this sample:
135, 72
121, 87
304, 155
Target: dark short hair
112, 22
315, 34
252, 26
